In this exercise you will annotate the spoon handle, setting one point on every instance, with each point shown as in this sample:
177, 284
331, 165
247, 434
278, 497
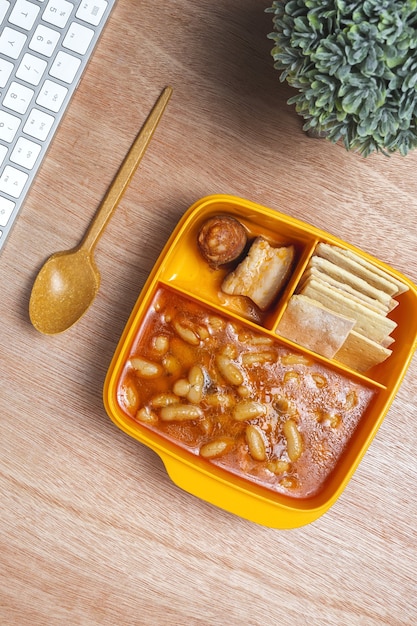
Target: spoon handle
125, 173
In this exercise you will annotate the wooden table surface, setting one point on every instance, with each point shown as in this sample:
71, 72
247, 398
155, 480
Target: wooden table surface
92, 529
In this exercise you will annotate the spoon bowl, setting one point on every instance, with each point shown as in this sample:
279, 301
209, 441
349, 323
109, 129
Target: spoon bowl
68, 282
71, 281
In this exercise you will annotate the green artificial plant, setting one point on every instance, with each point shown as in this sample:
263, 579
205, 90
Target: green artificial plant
354, 64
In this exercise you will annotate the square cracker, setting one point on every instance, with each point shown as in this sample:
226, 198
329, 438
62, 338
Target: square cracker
360, 353
313, 326
379, 280
373, 325
401, 286
359, 296
356, 282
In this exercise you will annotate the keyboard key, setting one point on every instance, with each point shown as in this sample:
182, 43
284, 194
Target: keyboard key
12, 181
38, 124
65, 67
3, 153
6, 68
51, 96
12, 42
44, 40
6, 209
91, 11
4, 7
78, 38
25, 153
18, 97
31, 69
8, 126
24, 14
57, 12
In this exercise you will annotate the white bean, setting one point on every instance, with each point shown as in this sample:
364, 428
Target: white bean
256, 442
291, 376
196, 376
320, 380
255, 340
196, 379
351, 400
289, 482
180, 412
248, 410
294, 440
295, 359
278, 466
283, 406
203, 333
130, 397
181, 387
229, 370
187, 334
244, 391
171, 364
258, 358
164, 399
147, 416
194, 395
145, 368
220, 400
216, 323
206, 425
217, 447
161, 344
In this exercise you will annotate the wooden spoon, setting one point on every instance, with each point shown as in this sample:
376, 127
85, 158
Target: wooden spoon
67, 283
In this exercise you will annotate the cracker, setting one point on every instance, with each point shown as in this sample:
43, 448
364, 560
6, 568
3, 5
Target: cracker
368, 273
371, 303
339, 273
361, 353
401, 286
313, 326
373, 325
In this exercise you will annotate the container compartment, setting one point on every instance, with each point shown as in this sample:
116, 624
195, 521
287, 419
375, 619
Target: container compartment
186, 268
237, 397
380, 327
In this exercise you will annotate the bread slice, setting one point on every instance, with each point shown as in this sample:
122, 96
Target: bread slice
262, 274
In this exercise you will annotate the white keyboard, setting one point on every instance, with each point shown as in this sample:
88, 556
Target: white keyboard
45, 46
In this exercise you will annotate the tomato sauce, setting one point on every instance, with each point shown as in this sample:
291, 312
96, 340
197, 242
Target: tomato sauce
238, 397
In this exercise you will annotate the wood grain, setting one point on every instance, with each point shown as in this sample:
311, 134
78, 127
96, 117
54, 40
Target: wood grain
93, 532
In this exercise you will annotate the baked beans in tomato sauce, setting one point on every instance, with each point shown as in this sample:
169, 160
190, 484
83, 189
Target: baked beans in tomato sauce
238, 397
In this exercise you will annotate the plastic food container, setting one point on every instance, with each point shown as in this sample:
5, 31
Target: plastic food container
183, 279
